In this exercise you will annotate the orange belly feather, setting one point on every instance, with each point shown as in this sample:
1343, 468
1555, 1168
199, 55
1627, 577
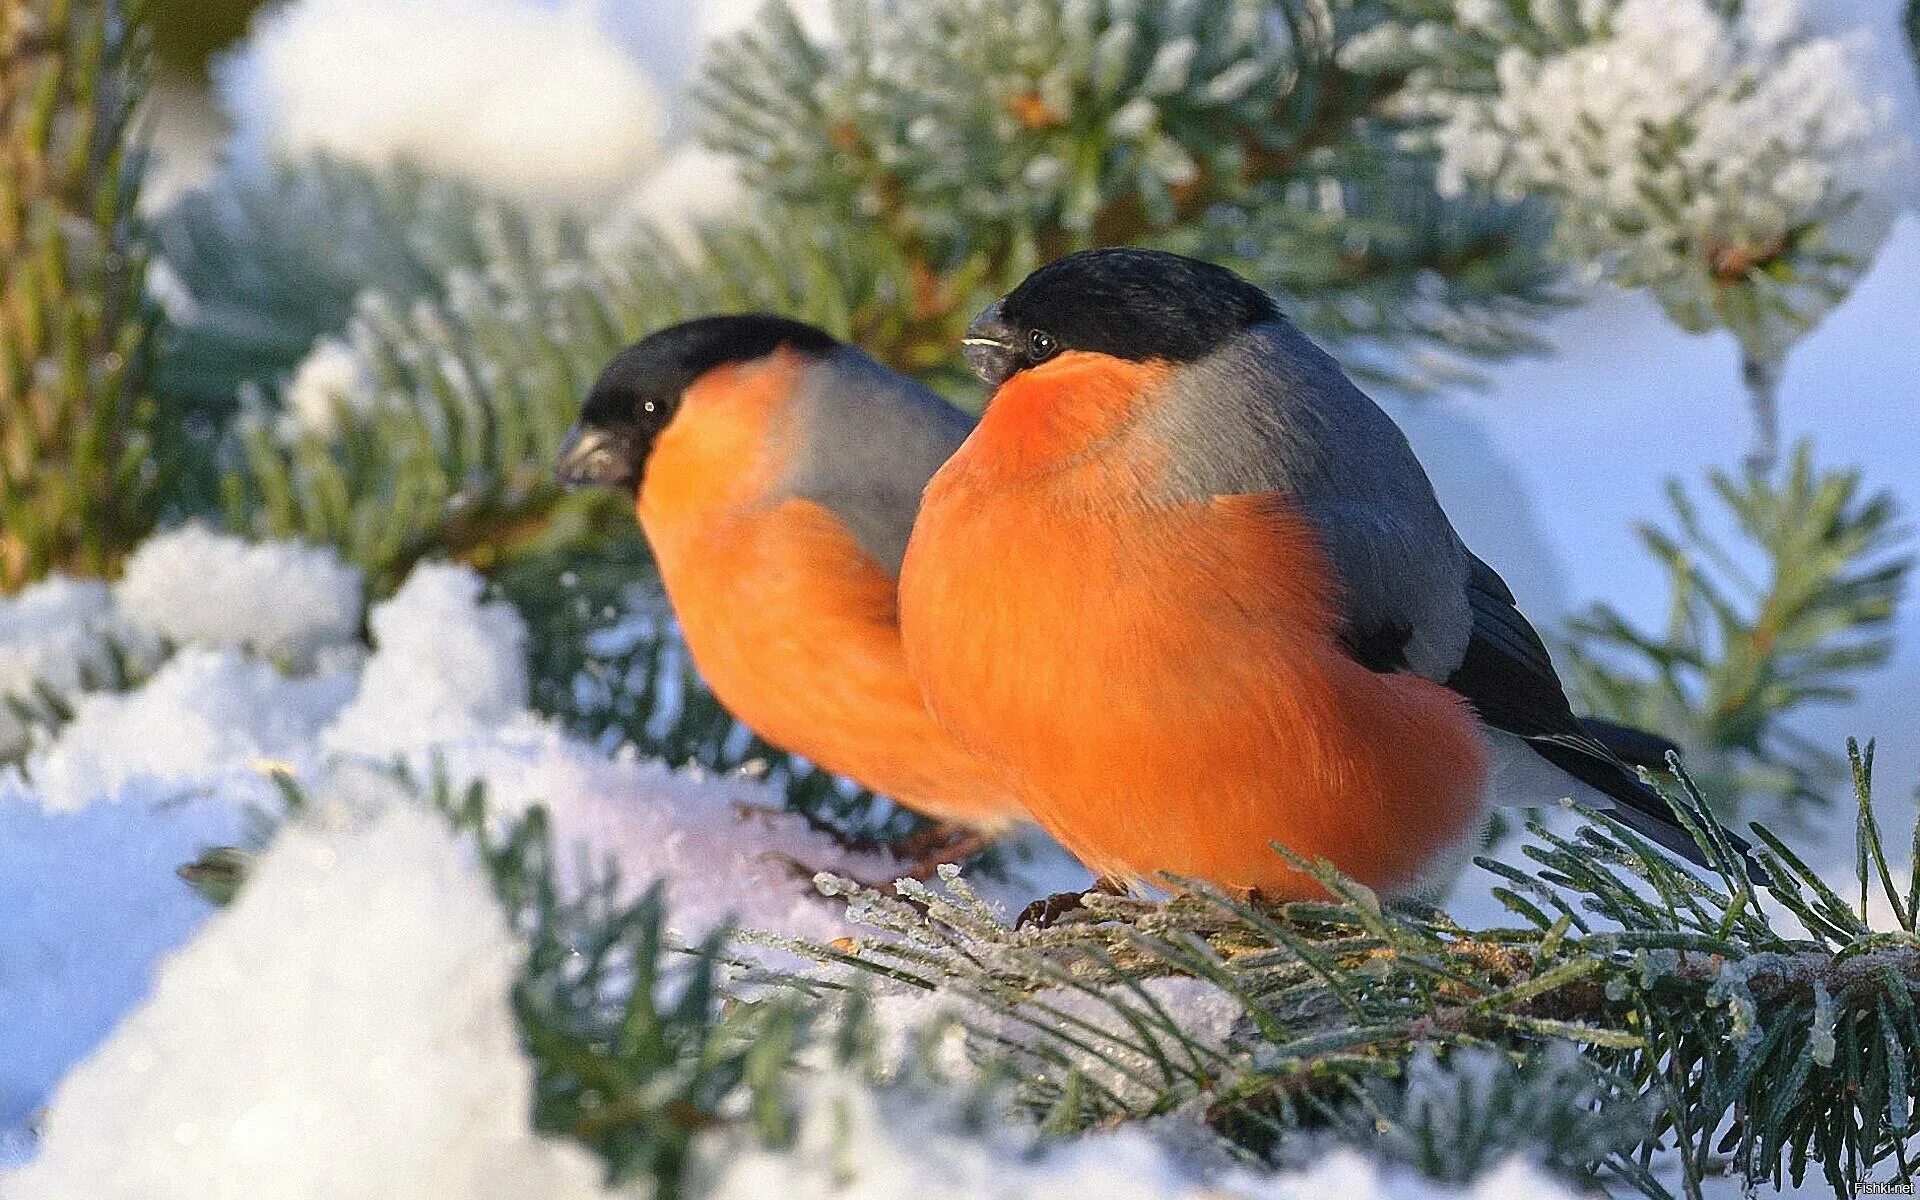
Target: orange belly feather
1163, 682
790, 621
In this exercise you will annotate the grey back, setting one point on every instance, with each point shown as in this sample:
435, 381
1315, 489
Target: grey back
868, 439
1272, 412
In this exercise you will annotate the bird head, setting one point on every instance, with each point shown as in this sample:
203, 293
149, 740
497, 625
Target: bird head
1137, 305
639, 392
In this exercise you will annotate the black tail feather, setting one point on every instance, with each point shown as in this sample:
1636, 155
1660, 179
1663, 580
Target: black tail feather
1634, 747
1636, 805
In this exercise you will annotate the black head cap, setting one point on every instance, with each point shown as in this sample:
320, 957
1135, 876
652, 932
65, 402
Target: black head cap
1132, 304
639, 392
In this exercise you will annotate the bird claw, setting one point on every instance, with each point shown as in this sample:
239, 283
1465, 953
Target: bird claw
1043, 913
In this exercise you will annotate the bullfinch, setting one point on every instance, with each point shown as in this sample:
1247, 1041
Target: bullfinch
775, 474
1190, 589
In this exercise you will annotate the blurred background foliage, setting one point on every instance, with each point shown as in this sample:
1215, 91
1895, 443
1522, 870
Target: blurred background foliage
345, 345
187, 33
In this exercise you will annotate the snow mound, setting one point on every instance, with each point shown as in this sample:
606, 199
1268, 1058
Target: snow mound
507, 94
94, 826
342, 1031
284, 600
204, 717
91, 899
446, 665
56, 635
725, 847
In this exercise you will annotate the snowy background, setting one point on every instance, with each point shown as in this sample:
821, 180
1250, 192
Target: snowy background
136, 1024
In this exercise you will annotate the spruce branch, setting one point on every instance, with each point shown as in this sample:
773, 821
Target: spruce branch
1639, 1022
1740, 656
448, 452
263, 264
988, 136
1712, 1035
637, 1048
1739, 186
81, 450
38, 710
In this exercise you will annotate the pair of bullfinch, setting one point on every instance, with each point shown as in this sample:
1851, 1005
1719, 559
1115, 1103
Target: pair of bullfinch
1183, 592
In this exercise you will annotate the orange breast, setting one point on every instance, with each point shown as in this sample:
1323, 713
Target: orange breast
1163, 683
791, 623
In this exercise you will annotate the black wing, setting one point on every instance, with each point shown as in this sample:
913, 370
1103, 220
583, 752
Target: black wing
1509, 679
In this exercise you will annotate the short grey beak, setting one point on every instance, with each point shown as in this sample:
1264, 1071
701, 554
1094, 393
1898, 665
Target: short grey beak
989, 347
592, 457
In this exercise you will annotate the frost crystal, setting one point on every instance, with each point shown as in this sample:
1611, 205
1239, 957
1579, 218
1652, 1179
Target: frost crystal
1823, 1041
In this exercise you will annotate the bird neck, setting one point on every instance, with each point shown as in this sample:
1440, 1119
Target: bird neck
726, 451
1075, 408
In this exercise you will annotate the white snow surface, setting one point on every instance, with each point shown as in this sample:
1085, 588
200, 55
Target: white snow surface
522, 98
95, 823
205, 721
859, 1143
90, 901
342, 1031
283, 600
446, 665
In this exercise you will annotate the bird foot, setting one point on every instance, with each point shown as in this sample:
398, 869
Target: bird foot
1044, 913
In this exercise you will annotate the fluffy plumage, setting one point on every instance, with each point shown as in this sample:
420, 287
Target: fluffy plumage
776, 474
1192, 590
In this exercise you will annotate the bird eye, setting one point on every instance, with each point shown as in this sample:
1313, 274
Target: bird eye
1040, 346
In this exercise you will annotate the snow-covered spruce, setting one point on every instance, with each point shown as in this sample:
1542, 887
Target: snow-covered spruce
206, 721
1688, 145
57, 638
330, 387
856, 1142
98, 817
